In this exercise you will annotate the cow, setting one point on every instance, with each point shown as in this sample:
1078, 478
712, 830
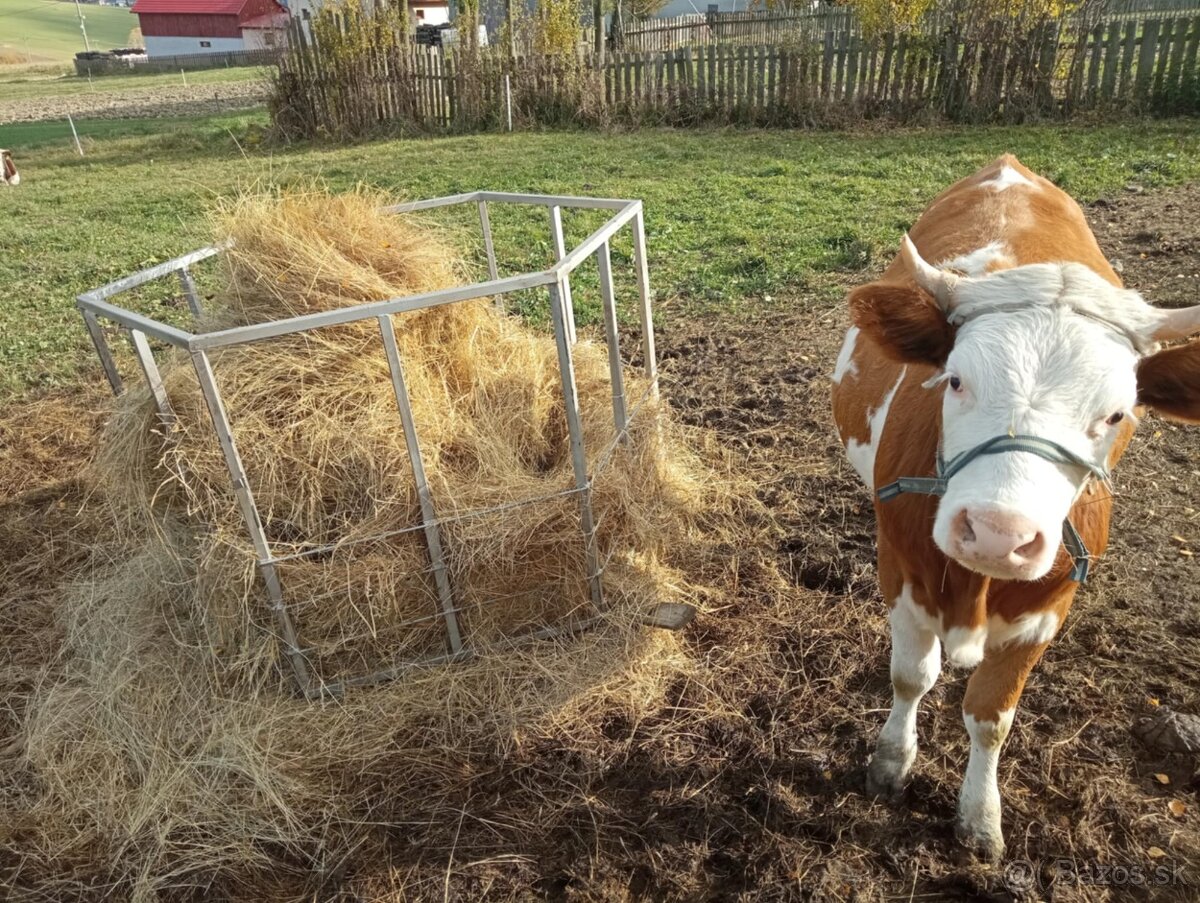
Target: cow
991, 380
8, 170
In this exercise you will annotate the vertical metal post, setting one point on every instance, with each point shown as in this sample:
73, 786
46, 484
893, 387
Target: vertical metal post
485, 224
433, 537
604, 264
566, 366
644, 313
106, 358
190, 291
560, 251
145, 357
245, 498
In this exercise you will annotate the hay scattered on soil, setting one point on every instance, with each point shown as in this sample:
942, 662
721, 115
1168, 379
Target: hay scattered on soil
163, 748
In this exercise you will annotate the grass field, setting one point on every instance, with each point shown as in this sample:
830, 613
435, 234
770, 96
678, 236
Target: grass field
733, 216
40, 30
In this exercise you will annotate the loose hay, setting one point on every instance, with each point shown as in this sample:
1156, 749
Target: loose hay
163, 751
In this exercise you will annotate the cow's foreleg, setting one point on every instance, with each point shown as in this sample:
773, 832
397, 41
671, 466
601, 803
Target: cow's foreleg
916, 663
988, 709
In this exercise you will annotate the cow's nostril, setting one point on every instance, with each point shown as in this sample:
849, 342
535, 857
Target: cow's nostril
968, 532
1031, 548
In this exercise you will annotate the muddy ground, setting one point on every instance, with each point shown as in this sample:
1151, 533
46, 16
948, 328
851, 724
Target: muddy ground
747, 782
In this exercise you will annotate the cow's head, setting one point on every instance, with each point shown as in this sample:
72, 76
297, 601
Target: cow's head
1047, 350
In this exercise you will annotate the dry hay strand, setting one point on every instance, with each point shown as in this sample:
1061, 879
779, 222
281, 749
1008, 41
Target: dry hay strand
169, 753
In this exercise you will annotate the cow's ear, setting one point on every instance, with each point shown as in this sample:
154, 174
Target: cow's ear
904, 321
1169, 382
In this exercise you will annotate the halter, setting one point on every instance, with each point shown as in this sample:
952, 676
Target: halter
1034, 445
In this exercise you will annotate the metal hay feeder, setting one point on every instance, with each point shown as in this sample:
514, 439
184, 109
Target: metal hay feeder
94, 305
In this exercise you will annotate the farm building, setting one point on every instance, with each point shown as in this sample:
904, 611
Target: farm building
173, 27
423, 12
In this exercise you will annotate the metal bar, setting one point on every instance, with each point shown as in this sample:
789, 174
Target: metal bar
560, 251
130, 320
486, 225
245, 498
260, 331
643, 280
561, 200
604, 264
566, 367
106, 359
153, 378
150, 273
428, 514
432, 203
589, 245
379, 537
338, 687
190, 291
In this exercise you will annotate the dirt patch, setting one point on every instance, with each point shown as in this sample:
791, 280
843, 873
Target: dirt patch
138, 103
745, 783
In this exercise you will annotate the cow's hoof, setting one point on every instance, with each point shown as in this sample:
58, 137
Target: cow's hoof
984, 841
887, 775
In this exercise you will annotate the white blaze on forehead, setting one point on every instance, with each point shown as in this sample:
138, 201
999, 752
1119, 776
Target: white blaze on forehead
845, 362
980, 261
862, 454
1007, 178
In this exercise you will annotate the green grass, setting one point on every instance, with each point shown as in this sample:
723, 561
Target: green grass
733, 216
49, 29
21, 85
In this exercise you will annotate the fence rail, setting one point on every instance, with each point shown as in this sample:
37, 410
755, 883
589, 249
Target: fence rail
102, 65
1140, 65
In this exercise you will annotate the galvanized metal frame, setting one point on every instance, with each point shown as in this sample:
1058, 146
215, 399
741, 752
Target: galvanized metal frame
95, 305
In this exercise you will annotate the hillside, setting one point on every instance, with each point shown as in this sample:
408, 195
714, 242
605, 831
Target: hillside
48, 30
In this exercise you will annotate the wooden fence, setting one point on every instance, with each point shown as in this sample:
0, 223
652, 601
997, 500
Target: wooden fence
1140, 66
767, 27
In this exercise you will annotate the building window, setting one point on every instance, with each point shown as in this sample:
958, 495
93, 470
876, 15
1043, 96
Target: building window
206, 43
269, 38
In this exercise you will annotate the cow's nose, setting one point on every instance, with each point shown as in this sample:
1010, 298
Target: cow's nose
997, 536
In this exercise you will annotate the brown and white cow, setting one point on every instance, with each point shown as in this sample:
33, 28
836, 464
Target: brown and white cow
1016, 327
8, 170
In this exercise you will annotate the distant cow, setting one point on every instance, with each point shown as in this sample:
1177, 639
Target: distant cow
984, 398
8, 169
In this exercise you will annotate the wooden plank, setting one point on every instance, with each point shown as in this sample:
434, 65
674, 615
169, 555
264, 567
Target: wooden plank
1128, 49
840, 66
1111, 61
712, 75
1093, 77
1188, 83
1145, 67
761, 77
772, 79
1170, 91
898, 75
1166, 39
827, 65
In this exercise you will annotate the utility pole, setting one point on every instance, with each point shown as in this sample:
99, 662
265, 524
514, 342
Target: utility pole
79, 11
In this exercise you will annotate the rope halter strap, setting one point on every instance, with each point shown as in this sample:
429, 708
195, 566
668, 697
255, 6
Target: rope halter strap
1033, 445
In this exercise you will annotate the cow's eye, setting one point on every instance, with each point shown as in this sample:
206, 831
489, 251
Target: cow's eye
955, 384
1114, 419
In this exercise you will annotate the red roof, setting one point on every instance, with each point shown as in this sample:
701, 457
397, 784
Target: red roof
191, 7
